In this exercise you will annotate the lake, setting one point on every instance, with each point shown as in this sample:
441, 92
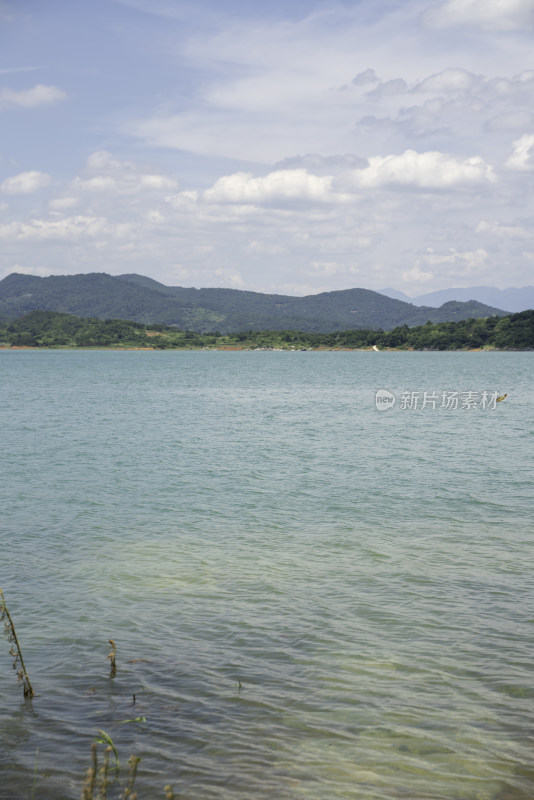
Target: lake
310, 597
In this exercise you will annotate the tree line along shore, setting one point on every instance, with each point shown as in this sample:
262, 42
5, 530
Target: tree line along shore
50, 329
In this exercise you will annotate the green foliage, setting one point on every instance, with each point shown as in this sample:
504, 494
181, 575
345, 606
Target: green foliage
50, 329
105, 738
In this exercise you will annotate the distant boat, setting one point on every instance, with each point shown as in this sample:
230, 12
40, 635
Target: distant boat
376, 348
502, 397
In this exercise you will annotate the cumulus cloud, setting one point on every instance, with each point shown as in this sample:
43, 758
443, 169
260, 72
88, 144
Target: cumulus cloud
39, 95
25, 182
416, 275
66, 228
431, 170
289, 184
522, 157
107, 177
506, 15
472, 261
113, 175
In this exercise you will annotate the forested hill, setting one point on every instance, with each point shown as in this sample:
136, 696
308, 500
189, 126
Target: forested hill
144, 300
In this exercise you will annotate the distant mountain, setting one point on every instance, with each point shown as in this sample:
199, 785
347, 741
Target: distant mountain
508, 299
395, 294
142, 299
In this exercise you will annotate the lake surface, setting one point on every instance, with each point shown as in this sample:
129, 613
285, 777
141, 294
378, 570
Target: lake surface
311, 598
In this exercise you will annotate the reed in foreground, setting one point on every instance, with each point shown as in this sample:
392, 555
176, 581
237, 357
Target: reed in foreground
11, 636
96, 782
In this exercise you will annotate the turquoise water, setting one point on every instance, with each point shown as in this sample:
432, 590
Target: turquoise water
310, 598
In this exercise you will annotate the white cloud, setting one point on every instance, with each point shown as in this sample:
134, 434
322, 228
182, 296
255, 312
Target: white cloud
156, 182
289, 184
431, 170
63, 203
39, 95
103, 160
179, 273
277, 89
325, 268
522, 157
234, 279
64, 228
100, 183
471, 261
505, 15
25, 183
108, 175
416, 275
184, 201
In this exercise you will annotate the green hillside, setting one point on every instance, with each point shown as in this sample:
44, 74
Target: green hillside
144, 300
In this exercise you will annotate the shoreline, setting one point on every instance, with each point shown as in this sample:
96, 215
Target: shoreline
237, 349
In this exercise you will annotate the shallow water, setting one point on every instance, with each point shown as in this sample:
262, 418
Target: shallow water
310, 598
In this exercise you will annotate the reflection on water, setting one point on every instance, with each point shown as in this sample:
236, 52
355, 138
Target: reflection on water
309, 598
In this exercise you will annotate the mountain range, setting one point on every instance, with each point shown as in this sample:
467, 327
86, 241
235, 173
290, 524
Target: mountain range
142, 299
513, 299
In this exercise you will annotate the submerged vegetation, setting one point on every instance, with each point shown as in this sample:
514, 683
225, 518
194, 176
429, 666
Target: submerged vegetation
54, 329
97, 779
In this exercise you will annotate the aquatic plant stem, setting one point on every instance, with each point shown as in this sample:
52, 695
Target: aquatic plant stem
11, 635
90, 776
112, 656
129, 794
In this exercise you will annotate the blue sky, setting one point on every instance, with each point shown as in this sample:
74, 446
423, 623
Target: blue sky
295, 148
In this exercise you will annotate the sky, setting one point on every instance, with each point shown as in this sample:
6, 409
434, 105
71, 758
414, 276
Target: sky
285, 147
